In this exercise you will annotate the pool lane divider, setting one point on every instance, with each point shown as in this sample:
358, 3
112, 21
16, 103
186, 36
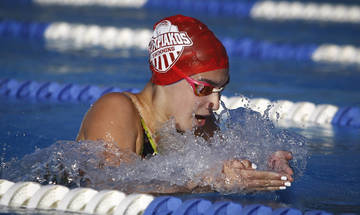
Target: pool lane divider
32, 196
269, 10
279, 111
78, 36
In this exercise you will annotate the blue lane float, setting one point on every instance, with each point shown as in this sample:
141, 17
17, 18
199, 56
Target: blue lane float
237, 9
286, 211
317, 212
247, 47
163, 205
69, 92
55, 92
346, 116
256, 209
224, 207
192, 207
30, 30
229, 8
78, 36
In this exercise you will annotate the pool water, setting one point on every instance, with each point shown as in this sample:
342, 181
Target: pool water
331, 178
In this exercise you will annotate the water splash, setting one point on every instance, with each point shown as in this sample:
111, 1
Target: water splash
182, 158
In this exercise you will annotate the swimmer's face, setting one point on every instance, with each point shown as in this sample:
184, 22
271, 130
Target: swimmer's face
190, 110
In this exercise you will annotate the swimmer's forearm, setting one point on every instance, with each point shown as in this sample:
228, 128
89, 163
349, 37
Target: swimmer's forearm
156, 188
198, 188
190, 187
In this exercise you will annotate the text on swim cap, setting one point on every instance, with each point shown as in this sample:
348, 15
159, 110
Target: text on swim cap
169, 39
166, 46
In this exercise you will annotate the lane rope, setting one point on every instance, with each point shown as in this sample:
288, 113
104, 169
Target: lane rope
270, 10
32, 196
280, 111
78, 36
283, 10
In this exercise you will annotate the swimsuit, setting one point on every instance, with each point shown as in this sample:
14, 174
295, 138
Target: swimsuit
149, 144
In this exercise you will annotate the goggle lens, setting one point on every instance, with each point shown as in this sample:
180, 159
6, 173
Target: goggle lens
202, 88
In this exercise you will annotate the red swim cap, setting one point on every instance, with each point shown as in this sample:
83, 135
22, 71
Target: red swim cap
185, 44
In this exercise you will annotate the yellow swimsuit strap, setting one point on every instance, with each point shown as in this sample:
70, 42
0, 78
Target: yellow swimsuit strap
149, 136
147, 131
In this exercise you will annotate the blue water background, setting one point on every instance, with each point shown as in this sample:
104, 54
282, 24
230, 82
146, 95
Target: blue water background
331, 180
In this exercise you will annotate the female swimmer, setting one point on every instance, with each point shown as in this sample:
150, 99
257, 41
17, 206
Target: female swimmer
189, 70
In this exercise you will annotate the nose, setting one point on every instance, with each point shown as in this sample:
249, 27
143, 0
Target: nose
214, 101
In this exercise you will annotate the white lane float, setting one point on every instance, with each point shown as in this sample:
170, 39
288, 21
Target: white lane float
31, 195
80, 36
47, 197
271, 10
296, 10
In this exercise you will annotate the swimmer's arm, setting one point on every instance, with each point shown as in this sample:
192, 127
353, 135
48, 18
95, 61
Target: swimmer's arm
112, 119
236, 176
240, 176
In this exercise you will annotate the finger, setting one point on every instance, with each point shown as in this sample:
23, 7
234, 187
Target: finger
251, 174
288, 170
288, 155
248, 165
268, 183
283, 167
283, 154
232, 165
289, 178
239, 164
266, 188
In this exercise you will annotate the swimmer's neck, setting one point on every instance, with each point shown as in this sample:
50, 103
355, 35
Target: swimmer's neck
152, 106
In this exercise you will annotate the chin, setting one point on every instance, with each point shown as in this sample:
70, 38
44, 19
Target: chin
181, 128
185, 127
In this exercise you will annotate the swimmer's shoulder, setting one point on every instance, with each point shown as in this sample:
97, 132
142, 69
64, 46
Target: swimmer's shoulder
119, 108
113, 115
117, 103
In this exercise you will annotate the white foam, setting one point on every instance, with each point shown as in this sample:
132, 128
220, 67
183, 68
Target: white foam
182, 158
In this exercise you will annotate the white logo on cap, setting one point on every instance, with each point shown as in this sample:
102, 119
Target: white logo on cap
167, 45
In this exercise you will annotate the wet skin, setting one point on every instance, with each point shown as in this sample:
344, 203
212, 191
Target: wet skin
115, 118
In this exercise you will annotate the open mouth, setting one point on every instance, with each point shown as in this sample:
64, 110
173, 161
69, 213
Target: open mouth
201, 119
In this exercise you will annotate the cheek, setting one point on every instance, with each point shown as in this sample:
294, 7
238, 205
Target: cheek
185, 106
183, 101
183, 109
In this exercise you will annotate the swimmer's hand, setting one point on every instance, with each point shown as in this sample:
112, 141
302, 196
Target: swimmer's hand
242, 176
279, 162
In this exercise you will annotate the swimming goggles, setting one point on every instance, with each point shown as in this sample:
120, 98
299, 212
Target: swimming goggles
200, 88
